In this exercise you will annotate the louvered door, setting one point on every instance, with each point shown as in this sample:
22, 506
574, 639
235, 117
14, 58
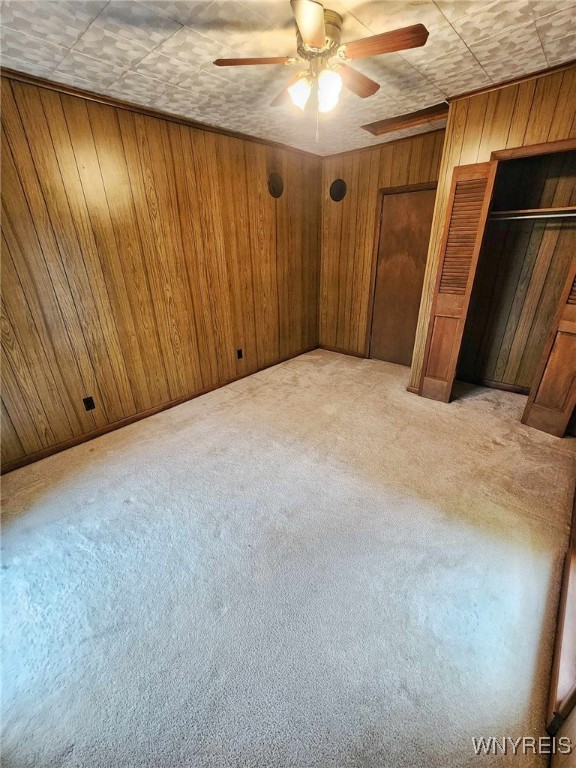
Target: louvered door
470, 196
553, 391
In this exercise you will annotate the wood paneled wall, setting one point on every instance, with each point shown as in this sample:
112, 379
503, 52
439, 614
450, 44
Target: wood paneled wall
532, 112
521, 273
139, 255
349, 230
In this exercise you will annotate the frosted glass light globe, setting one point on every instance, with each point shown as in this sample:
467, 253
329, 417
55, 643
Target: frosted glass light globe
329, 87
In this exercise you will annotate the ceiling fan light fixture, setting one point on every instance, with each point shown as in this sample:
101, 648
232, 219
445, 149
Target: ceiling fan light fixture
300, 92
329, 88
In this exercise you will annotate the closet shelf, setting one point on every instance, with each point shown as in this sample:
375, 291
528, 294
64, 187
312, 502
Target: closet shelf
535, 213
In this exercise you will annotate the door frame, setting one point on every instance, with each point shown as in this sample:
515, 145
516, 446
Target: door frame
382, 193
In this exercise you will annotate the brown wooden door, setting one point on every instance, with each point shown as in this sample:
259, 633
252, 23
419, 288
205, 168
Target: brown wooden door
403, 246
553, 391
470, 196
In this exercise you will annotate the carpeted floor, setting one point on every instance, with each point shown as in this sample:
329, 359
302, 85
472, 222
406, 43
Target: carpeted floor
310, 567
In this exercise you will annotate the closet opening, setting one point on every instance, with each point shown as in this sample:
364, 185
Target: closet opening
528, 245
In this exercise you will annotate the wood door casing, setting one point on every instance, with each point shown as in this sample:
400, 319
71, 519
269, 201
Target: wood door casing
405, 226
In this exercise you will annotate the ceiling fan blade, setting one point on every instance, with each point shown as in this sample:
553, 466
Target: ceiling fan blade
309, 17
387, 42
357, 82
428, 116
251, 62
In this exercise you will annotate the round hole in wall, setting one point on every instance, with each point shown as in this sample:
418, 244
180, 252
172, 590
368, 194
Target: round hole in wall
338, 190
275, 184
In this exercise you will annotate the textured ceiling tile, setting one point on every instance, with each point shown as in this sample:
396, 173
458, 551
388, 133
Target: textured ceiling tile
405, 104
33, 50
456, 73
560, 50
504, 56
268, 42
393, 73
543, 7
98, 71
479, 24
189, 46
381, 104
137, 22
441, 42
102, 44
448, 65
455, 9
384, 15
24, 66
232, 24
170, 71
57, 22
557, 25
138, 50
116, 92
74, 81
276, 13
182, 11
139, 85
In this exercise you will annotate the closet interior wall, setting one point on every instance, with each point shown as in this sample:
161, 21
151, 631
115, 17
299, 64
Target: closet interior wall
521, 271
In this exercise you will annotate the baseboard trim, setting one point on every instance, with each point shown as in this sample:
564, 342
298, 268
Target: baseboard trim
342, 351
504, 387
413, 390
78, 439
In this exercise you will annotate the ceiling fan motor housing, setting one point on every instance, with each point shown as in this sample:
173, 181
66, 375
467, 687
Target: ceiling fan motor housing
333, 27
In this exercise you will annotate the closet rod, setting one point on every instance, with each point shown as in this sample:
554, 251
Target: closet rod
512, 216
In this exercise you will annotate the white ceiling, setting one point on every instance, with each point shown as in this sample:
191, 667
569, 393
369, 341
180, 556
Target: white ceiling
159, 53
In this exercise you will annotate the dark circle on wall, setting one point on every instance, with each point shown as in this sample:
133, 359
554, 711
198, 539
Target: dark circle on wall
275, 184
338, 190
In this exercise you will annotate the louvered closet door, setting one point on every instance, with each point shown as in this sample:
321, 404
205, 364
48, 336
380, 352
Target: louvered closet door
470, 196
553, 391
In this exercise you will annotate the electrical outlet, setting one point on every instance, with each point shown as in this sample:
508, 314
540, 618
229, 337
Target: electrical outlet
89, 403
239, 354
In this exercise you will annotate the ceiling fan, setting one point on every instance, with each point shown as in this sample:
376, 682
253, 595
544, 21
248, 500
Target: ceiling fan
318, 43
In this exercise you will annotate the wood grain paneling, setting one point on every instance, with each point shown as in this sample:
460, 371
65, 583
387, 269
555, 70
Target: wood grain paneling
531, 112
522, 270
553, 390
139, 255
349, 231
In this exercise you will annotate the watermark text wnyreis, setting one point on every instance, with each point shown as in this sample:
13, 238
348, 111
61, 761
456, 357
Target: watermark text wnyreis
523, 745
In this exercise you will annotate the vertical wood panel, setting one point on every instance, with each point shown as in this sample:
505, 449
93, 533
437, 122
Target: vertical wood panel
25, 334
27, 217
11, 447
110, 250
263, 237
138, 256
348, 230
116, 165
535, 111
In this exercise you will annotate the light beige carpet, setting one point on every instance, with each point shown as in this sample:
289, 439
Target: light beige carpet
310, 567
